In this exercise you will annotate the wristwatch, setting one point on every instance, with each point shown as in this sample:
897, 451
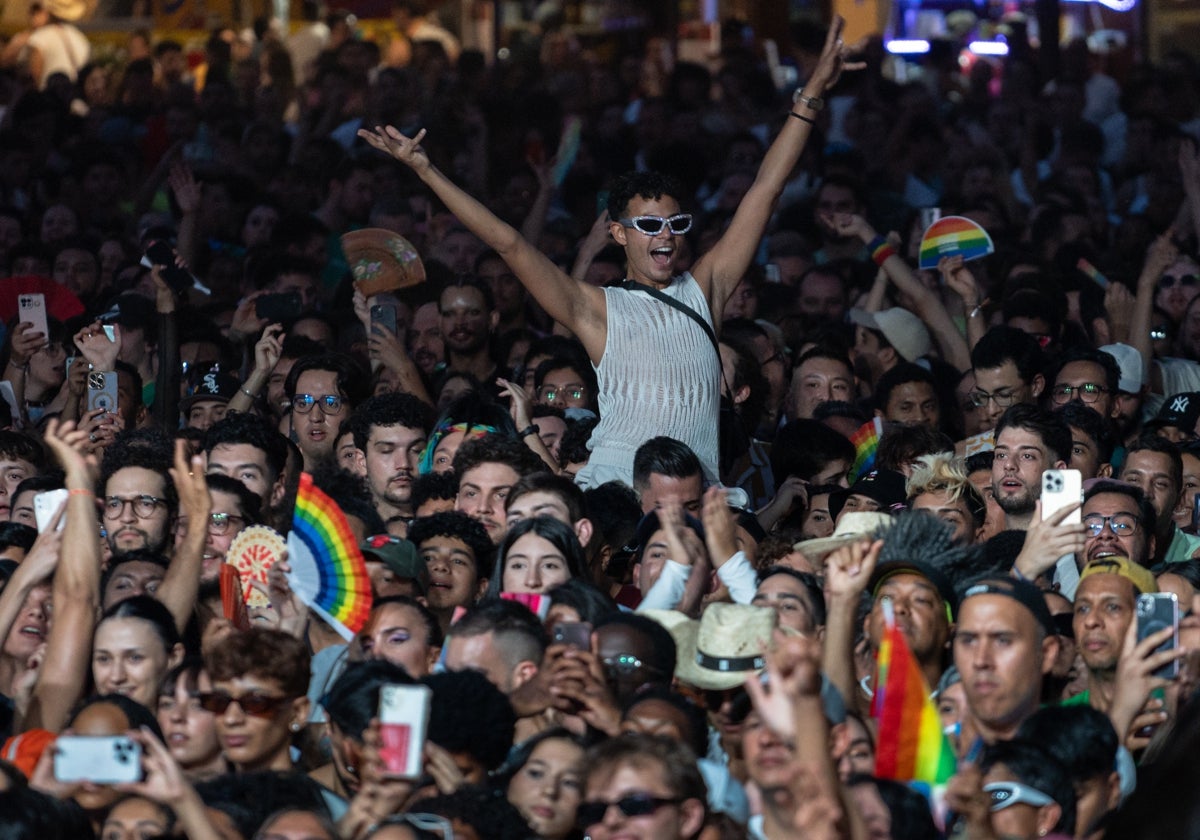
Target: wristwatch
812, 102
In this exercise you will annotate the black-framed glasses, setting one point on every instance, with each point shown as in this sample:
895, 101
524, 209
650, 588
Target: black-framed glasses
1002, 399
1121, 524
633, 805
550, 393
143, 506
253, 703
678, 224
329, 403
1088, 393
1167, 281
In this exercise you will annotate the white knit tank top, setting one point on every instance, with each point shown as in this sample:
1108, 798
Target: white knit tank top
659, 375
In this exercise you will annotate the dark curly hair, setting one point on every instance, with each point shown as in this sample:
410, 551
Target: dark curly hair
264, 653
645, 184
470, 715
460, 526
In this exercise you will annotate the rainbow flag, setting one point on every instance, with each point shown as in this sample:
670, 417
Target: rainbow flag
912, 746
951, 236
328, 572
866, 444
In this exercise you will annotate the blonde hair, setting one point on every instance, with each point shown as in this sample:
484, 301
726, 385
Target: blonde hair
941, 472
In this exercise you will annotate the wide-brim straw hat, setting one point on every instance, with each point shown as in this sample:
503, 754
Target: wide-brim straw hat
850, 527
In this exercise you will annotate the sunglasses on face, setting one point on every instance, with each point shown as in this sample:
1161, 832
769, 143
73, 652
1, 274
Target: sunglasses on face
252, 703
634, 805
679, 224
1006, 794
626, 665
1167, 281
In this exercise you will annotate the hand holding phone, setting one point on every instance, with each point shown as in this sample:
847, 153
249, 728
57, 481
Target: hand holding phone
99, 759
404, 721
576, 634
1156, 611
31, 308
46, 505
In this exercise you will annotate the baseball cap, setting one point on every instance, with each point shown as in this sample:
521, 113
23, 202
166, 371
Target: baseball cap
1142, 578
1129, 360
941, 582
215, 385
399, 555
130, 310
887, 487
1021, 591
901, 328
1179, 410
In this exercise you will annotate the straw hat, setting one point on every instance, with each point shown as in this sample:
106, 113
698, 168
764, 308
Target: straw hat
66, 9
718, 651
850, 527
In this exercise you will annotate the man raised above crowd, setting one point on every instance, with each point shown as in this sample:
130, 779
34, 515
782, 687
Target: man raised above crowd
653, 344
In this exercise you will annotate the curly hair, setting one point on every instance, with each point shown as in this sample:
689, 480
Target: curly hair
263, 653
470, 715
631, 185
459, 526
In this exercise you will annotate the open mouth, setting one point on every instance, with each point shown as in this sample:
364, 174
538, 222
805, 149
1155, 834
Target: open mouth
662, 256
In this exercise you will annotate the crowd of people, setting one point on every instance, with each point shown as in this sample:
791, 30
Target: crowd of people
670, 434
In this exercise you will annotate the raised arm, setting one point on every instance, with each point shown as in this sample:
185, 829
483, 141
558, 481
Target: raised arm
76, 590
180, 587
578, 307
847, 572
1159, 256
720, 270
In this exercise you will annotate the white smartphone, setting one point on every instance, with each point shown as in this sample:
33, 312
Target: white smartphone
404, 721
45, 505
31, 307
100, 759
1061, 488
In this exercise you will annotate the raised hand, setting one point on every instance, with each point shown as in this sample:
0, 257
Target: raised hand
1049, 539
848, 569
833, 61
268, 349
682, 541
95, 346
521, 409
70, 446
186, 188
25, 342
793, 672
407, 150
719, 526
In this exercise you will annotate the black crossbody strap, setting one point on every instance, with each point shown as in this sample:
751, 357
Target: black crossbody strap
634, 286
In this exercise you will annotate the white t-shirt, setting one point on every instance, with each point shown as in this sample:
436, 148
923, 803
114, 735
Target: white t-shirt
64, 49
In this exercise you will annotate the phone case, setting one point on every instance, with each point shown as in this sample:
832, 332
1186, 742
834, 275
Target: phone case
404, 720
1059, 489
577, 634
102, 759
31, 307
1157, 611
102, 390
384, 316
45, 505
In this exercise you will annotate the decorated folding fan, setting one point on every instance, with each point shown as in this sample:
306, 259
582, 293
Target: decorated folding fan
328, 572
252, 553
381, 261
953, 236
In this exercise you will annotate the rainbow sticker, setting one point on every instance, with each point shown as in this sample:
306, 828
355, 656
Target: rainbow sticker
952, 236
328, 572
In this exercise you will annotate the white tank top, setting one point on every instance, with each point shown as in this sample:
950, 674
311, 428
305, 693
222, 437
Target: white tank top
659, 375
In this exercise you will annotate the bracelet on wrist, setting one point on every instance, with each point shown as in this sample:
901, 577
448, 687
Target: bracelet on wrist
880, 249
248, 394
802, 118
79, 491
531, 429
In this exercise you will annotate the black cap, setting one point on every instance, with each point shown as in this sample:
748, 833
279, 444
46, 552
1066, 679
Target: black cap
887, 487
1023, 592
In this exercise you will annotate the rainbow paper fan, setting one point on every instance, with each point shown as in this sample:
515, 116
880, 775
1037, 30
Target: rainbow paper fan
328, 571
952, 236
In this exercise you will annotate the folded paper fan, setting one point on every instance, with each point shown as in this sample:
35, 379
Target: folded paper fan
253, 552
328, 572
953, 236
382, 261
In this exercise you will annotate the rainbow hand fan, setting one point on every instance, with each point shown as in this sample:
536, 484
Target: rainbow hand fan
952, 236
328, 572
